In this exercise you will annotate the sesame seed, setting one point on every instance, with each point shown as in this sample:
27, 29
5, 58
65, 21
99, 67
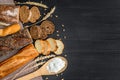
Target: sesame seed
41, 2
44, 13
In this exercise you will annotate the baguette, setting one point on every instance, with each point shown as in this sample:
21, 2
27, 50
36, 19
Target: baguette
10, 30
22, 57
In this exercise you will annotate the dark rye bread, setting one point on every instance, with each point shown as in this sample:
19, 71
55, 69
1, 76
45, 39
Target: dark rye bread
24, 13
9, 45
35, 14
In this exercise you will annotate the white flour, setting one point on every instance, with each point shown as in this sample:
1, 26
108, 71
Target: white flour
56, 65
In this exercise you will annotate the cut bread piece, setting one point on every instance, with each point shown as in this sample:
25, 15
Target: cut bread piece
24, 14
46, 48
39, 45
60, 47
35, 14
53, 44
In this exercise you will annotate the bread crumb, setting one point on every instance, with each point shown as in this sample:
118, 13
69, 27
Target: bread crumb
61, 74
57, 75
65, 55
41, 2
57, 31
62, 79
62, 25
56, 16
46, 78
45, 9
44, 13
64, 37
63, 30
58, 35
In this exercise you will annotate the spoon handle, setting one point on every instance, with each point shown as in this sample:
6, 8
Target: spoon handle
29, 76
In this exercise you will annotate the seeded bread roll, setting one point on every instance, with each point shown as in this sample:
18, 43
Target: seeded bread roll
24, 14
48, 26
35, 14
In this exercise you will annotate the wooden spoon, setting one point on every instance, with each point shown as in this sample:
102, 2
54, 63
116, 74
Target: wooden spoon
43, 70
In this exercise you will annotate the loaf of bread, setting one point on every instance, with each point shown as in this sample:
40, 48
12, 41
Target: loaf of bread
9, 14
10, 30
22, 57
49, 45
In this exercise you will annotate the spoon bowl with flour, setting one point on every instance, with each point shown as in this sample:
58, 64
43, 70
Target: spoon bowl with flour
51, 67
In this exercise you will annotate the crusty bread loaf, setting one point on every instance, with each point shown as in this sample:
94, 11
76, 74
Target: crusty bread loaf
24, 13
35, 14
22, 57
60, 47
53, 44
10, 30
9, 14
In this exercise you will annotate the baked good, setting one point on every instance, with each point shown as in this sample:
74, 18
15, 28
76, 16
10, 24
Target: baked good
60, 47
12, 43
24, 13
48, 26
39, 45
35, 14
46, 48
9, 14
53, 44
10, 30
15, 62
36, 32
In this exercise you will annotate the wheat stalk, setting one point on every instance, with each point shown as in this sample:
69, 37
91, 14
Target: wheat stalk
34, 3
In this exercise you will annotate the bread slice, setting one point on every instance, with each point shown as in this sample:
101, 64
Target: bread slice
35, 14
60, 48
46, 48
53, 44
24, 13
39, 45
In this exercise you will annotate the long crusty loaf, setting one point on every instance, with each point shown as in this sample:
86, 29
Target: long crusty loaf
9, 14
22, 57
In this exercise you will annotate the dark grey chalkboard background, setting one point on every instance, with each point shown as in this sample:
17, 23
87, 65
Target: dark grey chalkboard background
93, 39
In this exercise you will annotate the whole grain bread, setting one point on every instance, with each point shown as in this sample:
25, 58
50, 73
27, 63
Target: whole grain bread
24, 13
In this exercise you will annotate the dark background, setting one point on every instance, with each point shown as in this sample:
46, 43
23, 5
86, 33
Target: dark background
93, 38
